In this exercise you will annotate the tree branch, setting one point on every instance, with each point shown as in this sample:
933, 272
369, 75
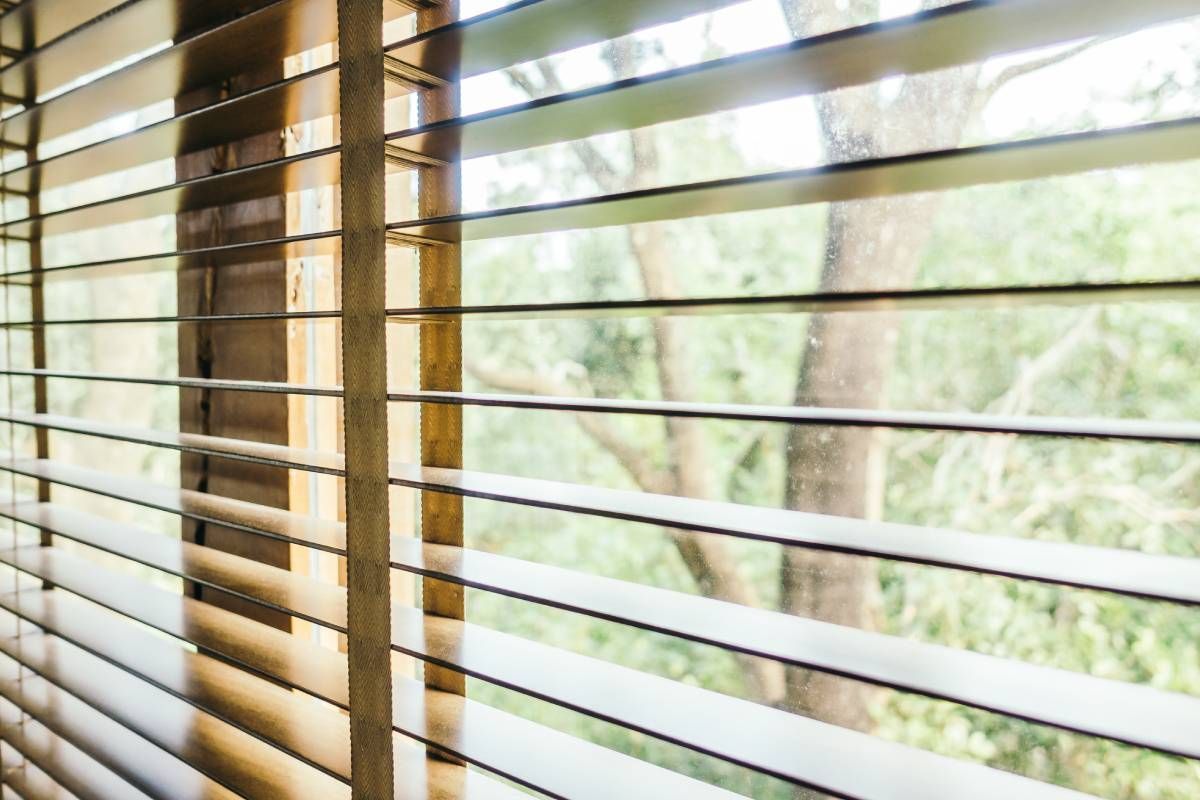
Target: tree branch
706, 558
635, 460
597, 166
1015, 400
1011, 73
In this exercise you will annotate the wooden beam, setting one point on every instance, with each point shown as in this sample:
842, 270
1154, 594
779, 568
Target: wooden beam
440, 365
365, 417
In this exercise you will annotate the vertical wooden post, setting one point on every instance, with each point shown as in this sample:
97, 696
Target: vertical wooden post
364, 360
40, 402
37, 309
439, 193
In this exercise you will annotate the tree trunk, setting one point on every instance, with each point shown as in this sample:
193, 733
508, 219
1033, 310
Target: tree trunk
706, 557
847, 358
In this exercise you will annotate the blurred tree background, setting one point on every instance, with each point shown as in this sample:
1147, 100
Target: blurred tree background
1122, 360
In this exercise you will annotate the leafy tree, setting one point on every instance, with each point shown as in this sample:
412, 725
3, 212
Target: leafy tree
1009, 362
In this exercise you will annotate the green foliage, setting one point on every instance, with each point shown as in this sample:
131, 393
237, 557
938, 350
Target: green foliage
1134, 360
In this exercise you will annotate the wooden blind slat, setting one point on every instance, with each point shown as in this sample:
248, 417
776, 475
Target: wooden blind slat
75, 771
147, 767
952, 35
229, 756
1154, 143
275, 588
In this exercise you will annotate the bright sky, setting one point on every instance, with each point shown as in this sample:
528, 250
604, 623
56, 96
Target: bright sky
785, 132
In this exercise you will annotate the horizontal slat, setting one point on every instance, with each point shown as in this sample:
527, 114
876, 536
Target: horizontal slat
314, 245
271, 108
873, 657
1140, 430
212, 384
825, 754
944, 37
532, 755
144, 765
1134, 429
229, 756
291, 174
269, 586
114, 31
265, 316
128, 541
1105, 569
274, 654
1011, 687
304, 97
30, 25
75, 771
1126, 712
264, 37
907, 300
497, 579
548, 761
314, 733
1123, 571
244, 701
252, 704
208, 508
788, 746
1156, 143
1074, 565
530, 29
28, 781
237, 449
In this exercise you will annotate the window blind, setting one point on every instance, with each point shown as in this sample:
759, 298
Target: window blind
536, 550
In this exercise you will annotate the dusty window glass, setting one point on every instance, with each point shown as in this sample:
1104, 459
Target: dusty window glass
1101, 359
